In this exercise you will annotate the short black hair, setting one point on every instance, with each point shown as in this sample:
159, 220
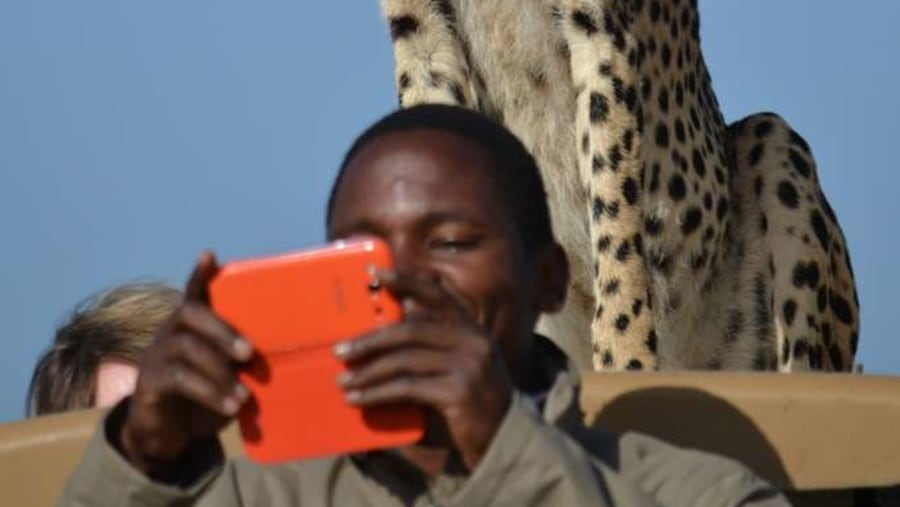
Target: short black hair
514, 173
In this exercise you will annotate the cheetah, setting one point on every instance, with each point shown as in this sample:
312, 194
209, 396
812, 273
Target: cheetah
693, 244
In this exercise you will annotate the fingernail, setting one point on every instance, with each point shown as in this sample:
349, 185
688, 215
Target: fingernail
242, 348
230, 405
353, 396
241, 393
345, 378
342, 349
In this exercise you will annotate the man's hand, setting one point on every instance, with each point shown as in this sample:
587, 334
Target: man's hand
441, 359
187, 388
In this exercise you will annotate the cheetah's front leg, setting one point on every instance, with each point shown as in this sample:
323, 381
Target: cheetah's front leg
608, 129
429, 62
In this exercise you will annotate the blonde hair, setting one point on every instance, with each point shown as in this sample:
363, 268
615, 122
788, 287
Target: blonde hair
118, 323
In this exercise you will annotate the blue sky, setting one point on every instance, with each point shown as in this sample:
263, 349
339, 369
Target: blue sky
132, 135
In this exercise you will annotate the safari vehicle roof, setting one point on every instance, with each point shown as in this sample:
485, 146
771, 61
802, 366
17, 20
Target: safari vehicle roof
803, 432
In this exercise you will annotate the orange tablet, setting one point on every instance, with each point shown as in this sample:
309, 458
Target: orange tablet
294, 308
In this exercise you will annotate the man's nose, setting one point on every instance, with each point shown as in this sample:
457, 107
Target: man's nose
409, 259
410, 262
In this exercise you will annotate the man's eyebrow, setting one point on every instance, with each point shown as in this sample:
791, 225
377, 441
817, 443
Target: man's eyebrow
442, 217
432, 219
358, 227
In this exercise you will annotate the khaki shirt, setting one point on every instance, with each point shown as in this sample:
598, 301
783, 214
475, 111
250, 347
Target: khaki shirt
538, 457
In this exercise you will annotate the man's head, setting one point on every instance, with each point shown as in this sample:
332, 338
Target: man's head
459, 200
513, 170
94, 356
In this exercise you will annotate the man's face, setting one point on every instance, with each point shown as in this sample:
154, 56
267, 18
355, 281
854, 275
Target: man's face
428, 194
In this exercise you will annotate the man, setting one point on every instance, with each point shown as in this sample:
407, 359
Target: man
461, 204
94, 356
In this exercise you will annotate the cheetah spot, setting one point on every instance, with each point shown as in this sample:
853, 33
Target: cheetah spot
615, 158
800, 164
790, 311
841, 308
622, 322
457, 92
821, 230
699, 163
638, 241
652, 341
607, 358
604, 243
806, 275
661, 262
662, 135
822, 299
801, 348
837, 358
584, 22
612, 209
624, 251
599, 107
597, 209
797, 140
630, 191
755, 154
692, 220
677, 187
597, 163
611, 288
721, 208
787, 193
763, 129
403, 26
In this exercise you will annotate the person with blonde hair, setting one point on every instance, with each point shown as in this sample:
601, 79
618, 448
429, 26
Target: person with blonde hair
93, 359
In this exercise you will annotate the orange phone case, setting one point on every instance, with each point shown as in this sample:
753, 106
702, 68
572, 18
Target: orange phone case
294, 308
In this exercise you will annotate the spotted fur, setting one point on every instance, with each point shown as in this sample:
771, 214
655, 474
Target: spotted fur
692, 244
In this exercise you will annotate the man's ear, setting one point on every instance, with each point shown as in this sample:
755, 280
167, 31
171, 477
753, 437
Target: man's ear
552, 267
